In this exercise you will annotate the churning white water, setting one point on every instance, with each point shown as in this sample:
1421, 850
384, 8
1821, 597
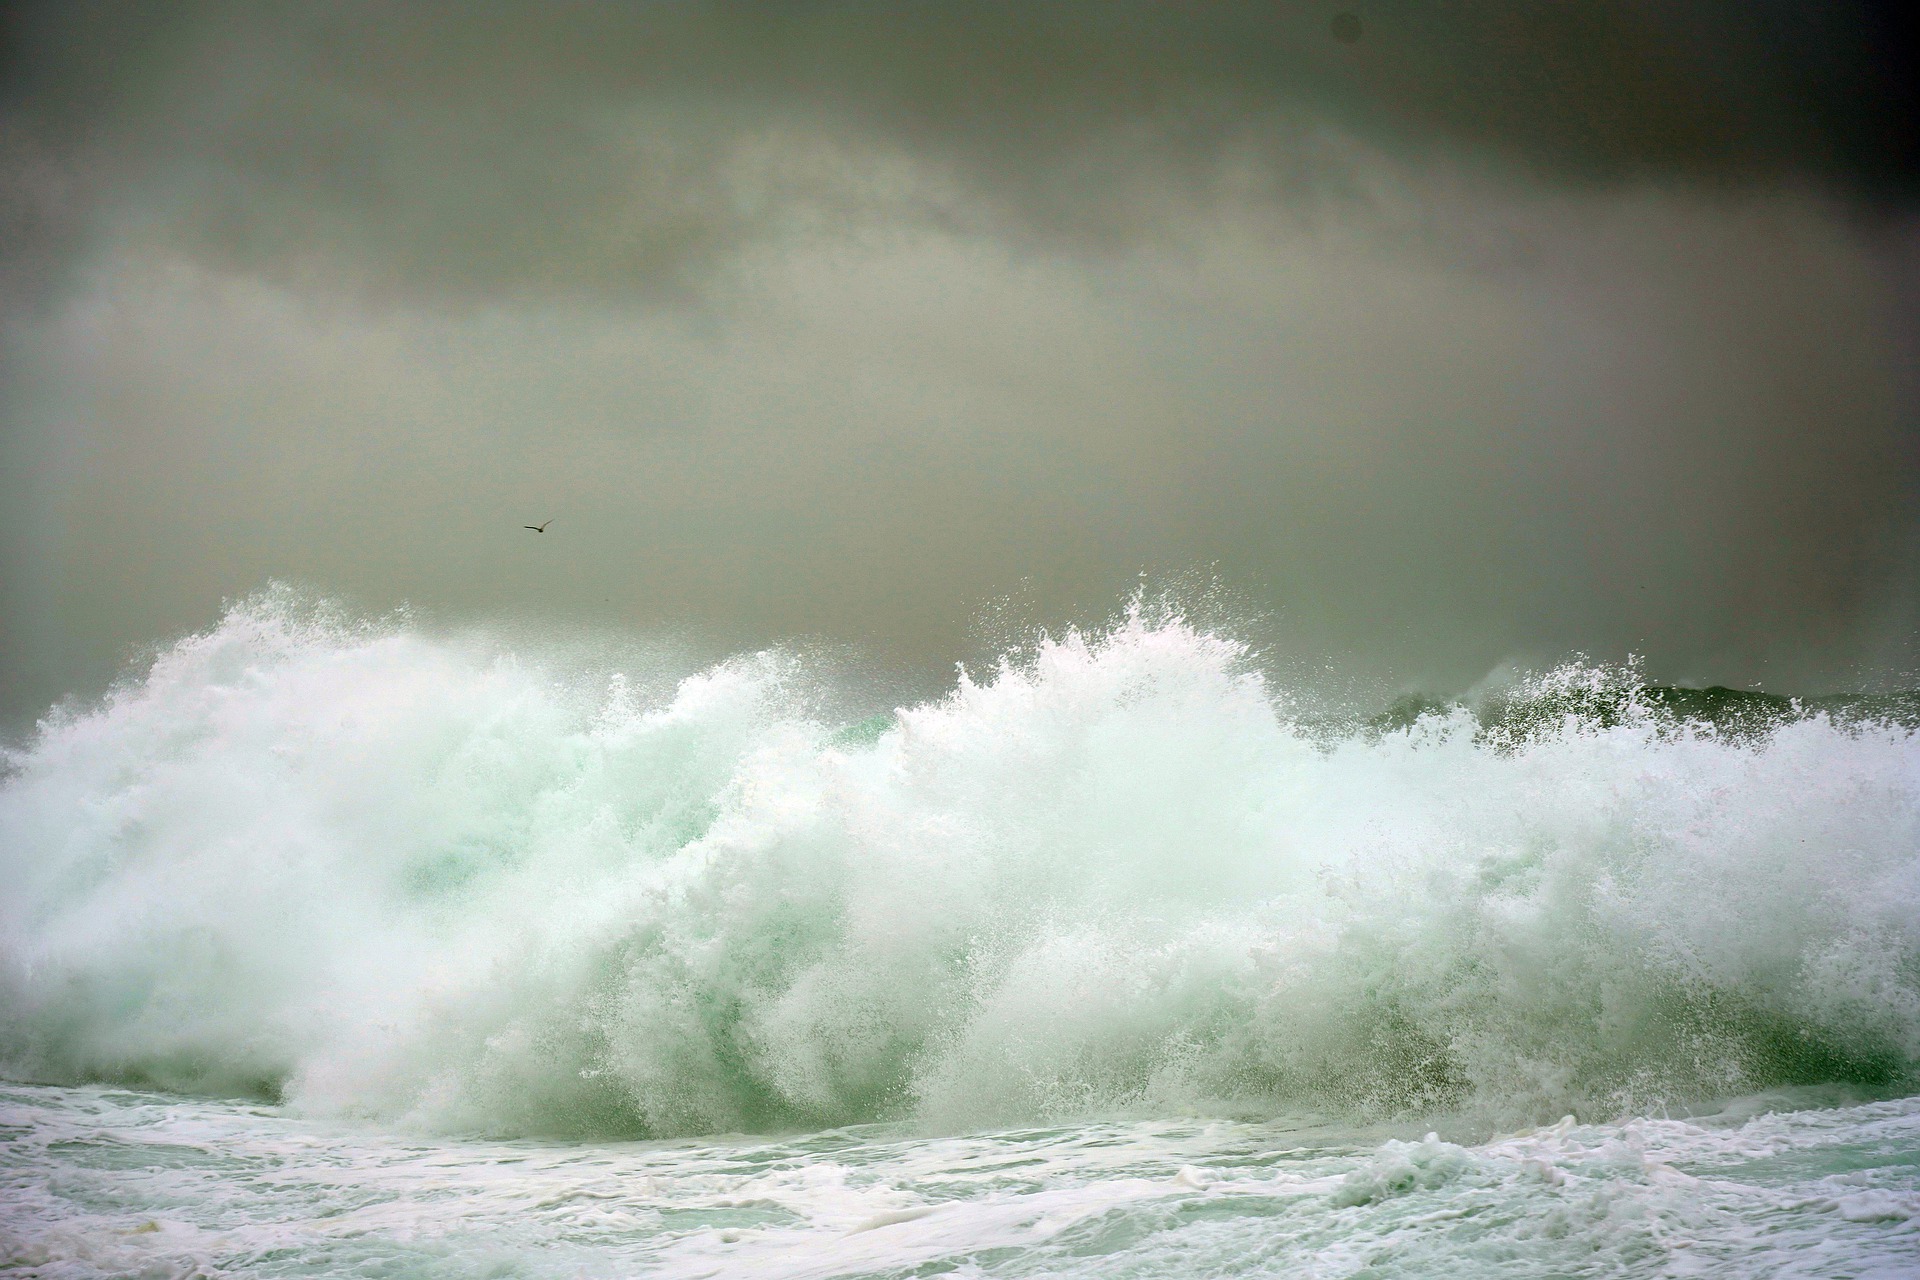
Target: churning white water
106, 1182
1111, 910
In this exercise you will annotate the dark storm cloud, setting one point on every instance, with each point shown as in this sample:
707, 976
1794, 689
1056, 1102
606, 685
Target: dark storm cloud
1499, 331
568, 147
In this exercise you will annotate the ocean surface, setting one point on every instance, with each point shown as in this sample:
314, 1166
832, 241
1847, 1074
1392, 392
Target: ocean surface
332, 946
104, 1182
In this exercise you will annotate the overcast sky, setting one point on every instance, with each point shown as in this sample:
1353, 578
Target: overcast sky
1502, 331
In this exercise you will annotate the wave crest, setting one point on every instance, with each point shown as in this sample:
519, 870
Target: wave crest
384, 874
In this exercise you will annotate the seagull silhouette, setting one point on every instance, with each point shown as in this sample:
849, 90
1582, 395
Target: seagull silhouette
539, 528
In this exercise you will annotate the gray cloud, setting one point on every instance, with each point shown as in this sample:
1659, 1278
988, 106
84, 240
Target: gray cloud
531, 149
1503, 332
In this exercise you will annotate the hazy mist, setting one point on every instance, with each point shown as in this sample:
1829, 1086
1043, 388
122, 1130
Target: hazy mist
1500, 332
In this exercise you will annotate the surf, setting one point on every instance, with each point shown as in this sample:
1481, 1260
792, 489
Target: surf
378, 872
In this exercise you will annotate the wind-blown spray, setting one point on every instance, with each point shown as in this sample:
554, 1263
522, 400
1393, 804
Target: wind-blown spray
380, 873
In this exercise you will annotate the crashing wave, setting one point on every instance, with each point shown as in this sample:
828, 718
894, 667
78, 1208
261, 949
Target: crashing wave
379, 873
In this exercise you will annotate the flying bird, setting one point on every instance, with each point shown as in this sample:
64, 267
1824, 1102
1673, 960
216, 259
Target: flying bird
539, 528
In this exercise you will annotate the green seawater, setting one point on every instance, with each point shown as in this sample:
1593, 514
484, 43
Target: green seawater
106, 1182
1105, 963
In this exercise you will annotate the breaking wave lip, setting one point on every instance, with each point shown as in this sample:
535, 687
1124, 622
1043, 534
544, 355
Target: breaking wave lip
378, 873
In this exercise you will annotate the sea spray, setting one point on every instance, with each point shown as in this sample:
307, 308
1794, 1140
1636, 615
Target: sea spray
383, 874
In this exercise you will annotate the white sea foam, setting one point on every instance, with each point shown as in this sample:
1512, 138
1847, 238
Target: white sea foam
102, 1182
387, 875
